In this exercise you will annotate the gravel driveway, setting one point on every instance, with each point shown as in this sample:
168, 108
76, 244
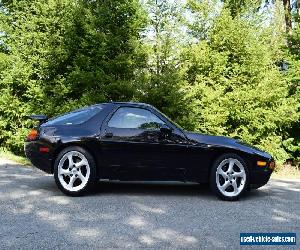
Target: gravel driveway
34, 214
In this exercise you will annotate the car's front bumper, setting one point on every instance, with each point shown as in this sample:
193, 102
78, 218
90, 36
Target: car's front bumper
260, 178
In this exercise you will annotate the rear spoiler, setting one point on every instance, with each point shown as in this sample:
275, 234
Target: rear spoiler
40, 118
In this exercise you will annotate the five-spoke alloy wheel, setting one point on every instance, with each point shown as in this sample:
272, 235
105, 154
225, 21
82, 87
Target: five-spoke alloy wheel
74, 171
229, 177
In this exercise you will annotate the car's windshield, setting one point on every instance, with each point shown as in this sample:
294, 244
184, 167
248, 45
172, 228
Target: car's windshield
76, 117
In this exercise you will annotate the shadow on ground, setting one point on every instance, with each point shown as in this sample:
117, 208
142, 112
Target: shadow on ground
35, 214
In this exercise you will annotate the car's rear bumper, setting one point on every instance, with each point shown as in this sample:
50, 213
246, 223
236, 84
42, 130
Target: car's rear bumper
42, 161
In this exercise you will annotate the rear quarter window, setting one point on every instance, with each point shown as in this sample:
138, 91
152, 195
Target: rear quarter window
76, 117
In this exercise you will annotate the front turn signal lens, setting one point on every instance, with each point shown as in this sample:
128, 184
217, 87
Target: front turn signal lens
33, 135
261, 163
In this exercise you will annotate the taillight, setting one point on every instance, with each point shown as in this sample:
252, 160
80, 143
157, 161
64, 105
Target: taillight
33, 135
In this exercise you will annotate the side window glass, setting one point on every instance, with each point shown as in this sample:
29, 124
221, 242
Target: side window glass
138, 118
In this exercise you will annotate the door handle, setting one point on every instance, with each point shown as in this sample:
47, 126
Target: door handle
108, 135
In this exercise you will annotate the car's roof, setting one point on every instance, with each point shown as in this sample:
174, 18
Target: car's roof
127, 103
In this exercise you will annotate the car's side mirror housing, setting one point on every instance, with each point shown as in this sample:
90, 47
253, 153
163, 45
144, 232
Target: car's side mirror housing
165, 129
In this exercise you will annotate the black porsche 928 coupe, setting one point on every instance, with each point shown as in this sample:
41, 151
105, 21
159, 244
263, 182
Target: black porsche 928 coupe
134, 141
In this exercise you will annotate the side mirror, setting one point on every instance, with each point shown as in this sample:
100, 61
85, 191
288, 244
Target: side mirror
165, 129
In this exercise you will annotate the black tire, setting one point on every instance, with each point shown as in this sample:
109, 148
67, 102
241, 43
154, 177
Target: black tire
91, 180
213, 178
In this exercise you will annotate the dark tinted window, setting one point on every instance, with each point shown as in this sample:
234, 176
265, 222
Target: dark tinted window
76, 117
134, 118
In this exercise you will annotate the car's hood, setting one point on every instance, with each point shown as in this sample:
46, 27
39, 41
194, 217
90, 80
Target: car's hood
210, 139
223, 141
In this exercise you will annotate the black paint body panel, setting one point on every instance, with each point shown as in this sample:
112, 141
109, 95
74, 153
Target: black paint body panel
140, 154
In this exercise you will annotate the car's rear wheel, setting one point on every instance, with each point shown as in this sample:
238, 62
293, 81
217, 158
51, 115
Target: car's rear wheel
229, 177
74, 171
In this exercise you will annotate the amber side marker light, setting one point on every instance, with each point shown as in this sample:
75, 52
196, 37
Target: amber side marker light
33, 134
261, 163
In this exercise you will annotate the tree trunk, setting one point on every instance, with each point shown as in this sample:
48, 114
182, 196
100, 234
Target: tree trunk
298, 10
287, 15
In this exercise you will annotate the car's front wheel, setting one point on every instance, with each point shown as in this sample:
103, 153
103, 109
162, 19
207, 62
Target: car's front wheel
74, 171
229, 177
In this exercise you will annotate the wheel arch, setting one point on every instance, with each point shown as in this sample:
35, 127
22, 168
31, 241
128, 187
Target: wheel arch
72, 144
226, 154
223, 150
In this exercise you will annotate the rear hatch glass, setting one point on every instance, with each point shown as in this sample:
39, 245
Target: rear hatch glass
76, 117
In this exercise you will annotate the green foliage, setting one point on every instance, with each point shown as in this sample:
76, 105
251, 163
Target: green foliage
234, 88
238, 7
291, 141
160, 81
58, 55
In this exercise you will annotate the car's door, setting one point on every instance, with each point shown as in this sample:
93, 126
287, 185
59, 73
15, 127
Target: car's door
137, 144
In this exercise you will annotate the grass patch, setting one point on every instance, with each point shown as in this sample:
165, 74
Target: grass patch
11, 156
287, 172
